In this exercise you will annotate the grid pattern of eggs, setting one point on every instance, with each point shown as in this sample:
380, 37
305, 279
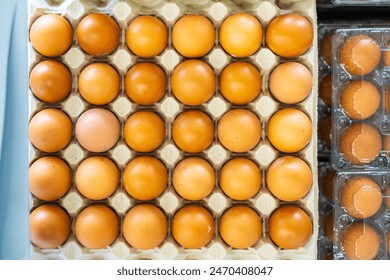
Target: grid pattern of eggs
171, 135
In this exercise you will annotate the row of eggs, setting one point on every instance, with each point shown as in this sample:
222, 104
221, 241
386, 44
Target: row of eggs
193, 35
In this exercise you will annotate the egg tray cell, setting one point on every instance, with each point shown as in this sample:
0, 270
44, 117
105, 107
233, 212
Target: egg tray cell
168, 108
380, 78
379, 221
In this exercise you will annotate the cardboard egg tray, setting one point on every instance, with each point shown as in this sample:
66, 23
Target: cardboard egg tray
217, 202
379, 221
380, 78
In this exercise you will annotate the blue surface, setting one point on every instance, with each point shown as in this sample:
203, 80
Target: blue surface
14, 203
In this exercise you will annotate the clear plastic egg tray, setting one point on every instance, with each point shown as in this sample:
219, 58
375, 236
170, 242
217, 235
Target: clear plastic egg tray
380, 78
217, 202
380, 221
361, 2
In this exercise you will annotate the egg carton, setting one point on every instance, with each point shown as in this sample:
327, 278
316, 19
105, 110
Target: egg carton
123, 11
379, 221
361, 2
380, 78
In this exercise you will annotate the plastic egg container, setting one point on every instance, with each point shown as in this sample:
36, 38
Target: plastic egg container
343, 114
369, 212
361, 2
264, 203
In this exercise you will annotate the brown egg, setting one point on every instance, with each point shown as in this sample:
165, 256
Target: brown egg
193, 82
241, 35
97, 177
144, 131
193, 131
360, 241
99, 83
325, 90
240, 227
50, 81
51, 35
240, 178
145, 178
193, 178
193, 227
290, 227
329, 226
239, 130
97, 130
96, 226
289, 178
325, 130
145, 226
386, 55
361, 197
360, 54
146, 36
49, 178
386, 197
50, 130
326, 48
360, 143
386, 100
98, 34
290, 82
289, 35
145, 83
327, 184
49, 226
193, 35
360, 99
240, 82
289, 130
388, 242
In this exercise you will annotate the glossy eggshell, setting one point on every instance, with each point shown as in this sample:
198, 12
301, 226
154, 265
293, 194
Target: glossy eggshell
145, 178
50, 178
361, 197
360, 143
289, 130
193, 82
290, 227
193, 227
97, 130
193, 178
97, 177
145, 226
289, 178
50, 81
50, 130
144, 131
96, 226
360, 241
99, 83
239, 130
51, 35
240, 227
360, 99
193, 35
98, 34
360, 54
240, 82
240, 178
241, 35
146, 36
289, 35
193, 131
290, 82
145, 83
49, 226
